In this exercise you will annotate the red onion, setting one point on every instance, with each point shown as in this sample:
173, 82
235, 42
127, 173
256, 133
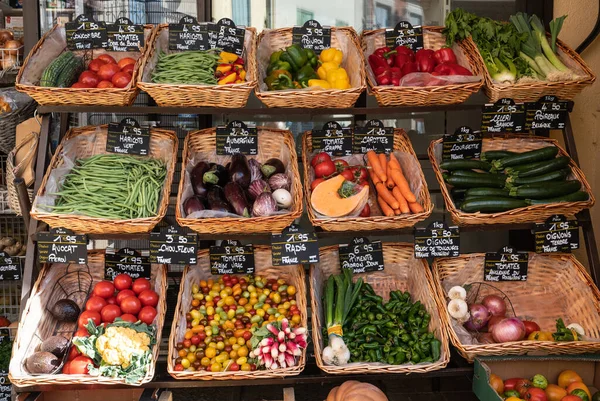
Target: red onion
485, 338
493, 321
509, 329
479, 317
495, 305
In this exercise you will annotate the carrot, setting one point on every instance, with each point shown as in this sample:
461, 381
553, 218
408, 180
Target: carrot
394, 162
390, 183
373, 176
387, 195
401, 182
416, 207
383, 161
385, 208
376, 165
400, 198
397, 212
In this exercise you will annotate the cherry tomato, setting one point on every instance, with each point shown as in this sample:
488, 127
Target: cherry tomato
89, 79
324, 169
104, 289
320, 158
347, 174
179, 367
340, 164
107, 71
95, 303
316, 182
128, 317
73, 352
66, 368
81, 332
148, 298
360, 173
234, 367
86, 315
147, 314
79, 365
141, 284
366, 212
128, 68
105, 84
107, 58
111, 300
125, 61
121, 79
95, 64
109, 313
124, 294
247, 335
131, 305
123, 281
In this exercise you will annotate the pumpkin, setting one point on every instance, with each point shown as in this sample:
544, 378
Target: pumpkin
326, 200
353, 390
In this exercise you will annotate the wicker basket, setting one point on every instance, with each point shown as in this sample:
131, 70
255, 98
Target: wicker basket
557, 286
9, 122
534, 90
293, 275
163, 145
377, 221
402, 272
534, 213
422, 95
38, 323
49, 47
271, 143
230, 96
345, 39
13, 171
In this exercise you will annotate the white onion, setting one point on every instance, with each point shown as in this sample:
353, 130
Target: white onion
510, 329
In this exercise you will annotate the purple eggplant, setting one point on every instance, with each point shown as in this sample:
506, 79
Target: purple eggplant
272, 166
239, 170
216, 200
196, 176
215, 175
264, 205
257, 187
236, 197
193, 204
279, 180
255, 170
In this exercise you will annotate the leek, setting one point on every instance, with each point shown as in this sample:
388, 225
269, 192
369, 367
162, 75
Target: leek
537, 26
555, 27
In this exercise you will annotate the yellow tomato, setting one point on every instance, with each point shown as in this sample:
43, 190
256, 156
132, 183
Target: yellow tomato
215, 367
210, 352
243, 351
291, 290
497, 383
566, 377
555, 393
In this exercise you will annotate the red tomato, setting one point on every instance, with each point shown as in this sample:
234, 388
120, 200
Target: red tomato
348, 174
109, 313
79, 365
96, 64
131, 305
147, 314
320, 158
122, 281
66, 368
105, 84
179, 367
128, 317
78, 85
141, 284
536, 394
104, 289
316, 182
107, 71
124, 294
509, 384
340, 164
73, 352
125, 61
95, 303
121, 79
530, 327
366, 212
89, 79
570, 398
360, 173
324, 169
81, 332
234, 367
107, 58
522, 386
111, 301
128, 69
148, 298
86, 315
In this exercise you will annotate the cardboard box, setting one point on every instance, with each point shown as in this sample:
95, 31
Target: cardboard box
132, 394
587, 366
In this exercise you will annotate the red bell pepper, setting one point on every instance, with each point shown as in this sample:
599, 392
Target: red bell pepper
444, 55
376, 61
386, 54
423, 54
401, 59
407, 51
381, 51
451, 69
409, 67
384, 78
396, 75
426, 64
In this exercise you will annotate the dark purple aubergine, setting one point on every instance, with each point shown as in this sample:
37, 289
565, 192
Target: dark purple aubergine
239, 170
272, 166
236, 197
216, 199
196, 177
193, 204
215, 175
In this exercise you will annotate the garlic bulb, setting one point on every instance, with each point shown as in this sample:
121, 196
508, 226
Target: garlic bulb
457, 292
458, 309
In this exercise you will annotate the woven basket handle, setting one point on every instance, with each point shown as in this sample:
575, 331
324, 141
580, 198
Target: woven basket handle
18, 169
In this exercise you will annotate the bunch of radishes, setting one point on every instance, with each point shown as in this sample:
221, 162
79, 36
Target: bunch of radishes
281, 346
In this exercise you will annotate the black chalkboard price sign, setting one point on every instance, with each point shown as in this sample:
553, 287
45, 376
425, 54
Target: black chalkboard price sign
62, 246
547, 113
10, 267
236, 138
361, 255
436, 241
373, 136
404, 34
503, 116
188, 34
128, 261
294, 246
312, 36
86, 33
463, 144
173, 246
505, 265
333, 139
125, 36
556, 234
226, 36
127, 137
232, 258
5, 386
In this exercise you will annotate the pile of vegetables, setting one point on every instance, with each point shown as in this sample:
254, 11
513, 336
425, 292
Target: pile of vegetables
569, 387
12, 247
244, 187
390, 66
504, 180
10, 50
352, 390
199, 67
68, 70
518, 51
111, 186
229, 320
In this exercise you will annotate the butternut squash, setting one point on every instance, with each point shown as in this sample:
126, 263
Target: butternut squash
326, 200
356, 391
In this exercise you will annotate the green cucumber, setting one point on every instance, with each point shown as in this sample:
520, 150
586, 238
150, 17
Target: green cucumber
496, 154
471, 173
537, 155
53, 70
468, 164
557, 175
539, 168
477, 182
70, 72
498, 192
578, 196
491, 204
544, 190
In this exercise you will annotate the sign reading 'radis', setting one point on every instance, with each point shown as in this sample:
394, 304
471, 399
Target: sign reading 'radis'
294, 246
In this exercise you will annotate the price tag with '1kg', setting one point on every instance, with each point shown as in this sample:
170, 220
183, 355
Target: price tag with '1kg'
505, 265
332, 139
312, 36
128, 261
437, 241
236, 138
463, 144
127, 137
232, 258
405, 34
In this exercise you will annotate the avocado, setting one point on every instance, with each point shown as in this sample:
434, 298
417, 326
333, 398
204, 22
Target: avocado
56, 345
42, 362
66, 310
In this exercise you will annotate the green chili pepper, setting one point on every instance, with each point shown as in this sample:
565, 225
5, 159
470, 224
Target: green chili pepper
436, 349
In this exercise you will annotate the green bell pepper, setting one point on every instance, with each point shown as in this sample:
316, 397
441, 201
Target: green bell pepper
279, 79
312, 57
279, 65
296, 56
275, 56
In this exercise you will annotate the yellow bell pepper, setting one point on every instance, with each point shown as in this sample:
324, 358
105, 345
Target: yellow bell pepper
321, 83
541, 336
332, 55
223, 68
338, 78
228, 57
325, 67
242, 74
229, 79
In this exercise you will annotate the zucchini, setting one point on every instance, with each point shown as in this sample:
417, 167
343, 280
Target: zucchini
53, 70
544, 190
539, 168
557, 175
468, 164
70, 72
578, 196
487, 192
496, 154
491, 204
532, 156
471, 173
477, 182
458, 191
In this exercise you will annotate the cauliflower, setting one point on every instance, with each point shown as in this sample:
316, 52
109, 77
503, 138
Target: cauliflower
118, 344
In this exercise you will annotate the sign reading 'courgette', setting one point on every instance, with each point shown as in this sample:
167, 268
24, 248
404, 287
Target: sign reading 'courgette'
404, 34
312, 36
361, 255
463, 144
333, 139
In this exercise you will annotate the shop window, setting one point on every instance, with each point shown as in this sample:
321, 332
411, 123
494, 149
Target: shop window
303, 15
241, 12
